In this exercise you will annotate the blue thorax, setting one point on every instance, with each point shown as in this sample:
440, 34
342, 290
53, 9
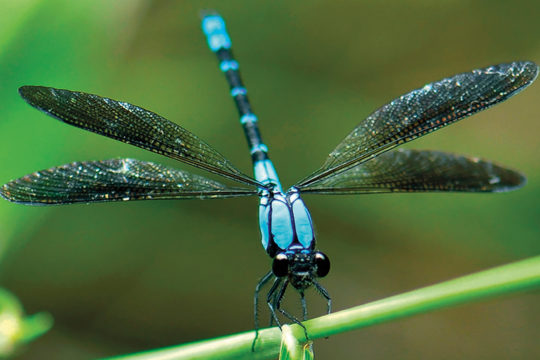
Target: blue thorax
285, 222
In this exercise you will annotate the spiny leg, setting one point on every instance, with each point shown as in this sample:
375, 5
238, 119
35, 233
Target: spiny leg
258, 288
272, 313
285, 313
270, 300
276, 299
321, 290
304, 306
324, 294
261, 283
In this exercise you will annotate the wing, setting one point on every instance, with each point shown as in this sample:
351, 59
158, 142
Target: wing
418, 171
133, 125
425, 110
113, 180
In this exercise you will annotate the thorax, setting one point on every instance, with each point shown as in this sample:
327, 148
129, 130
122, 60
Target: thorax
284, 221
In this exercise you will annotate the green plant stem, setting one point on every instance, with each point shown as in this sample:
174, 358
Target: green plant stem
500, 280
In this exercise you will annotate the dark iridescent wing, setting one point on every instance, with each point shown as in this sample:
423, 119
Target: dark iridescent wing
425, 110
133, 125
419, 170
113, 180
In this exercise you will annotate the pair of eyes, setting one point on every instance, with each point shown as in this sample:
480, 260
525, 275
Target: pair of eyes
280, 266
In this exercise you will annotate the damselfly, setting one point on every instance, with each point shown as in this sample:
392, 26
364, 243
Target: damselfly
364, 162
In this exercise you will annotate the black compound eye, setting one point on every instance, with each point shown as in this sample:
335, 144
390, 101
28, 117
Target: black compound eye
323, 264
280, 266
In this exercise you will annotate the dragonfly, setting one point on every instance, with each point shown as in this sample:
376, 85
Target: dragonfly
364, 162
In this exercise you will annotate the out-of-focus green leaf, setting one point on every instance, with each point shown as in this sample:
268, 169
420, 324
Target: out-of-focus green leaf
16, 329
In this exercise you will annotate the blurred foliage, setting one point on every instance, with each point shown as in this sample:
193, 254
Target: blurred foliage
127, 277
16, 329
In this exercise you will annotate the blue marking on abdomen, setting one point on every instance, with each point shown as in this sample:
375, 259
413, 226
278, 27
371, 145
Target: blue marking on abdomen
238, 91
227, 65
259, 147
266, 174
214, 28
248, 118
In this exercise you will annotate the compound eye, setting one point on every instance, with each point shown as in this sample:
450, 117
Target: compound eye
323, 264
280, 266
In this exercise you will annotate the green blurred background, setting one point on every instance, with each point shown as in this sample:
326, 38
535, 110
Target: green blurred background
126, 277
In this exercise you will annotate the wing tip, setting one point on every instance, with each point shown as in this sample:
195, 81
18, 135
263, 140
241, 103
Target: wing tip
531, 67
32, 94
528, 72
26, 91
510, 181
7, 193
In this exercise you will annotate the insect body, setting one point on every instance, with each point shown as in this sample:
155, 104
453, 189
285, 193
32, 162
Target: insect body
285, 223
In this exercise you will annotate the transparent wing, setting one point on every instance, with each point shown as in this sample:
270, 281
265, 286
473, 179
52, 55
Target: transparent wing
133, 125
425, 110
113, 180
417, 171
